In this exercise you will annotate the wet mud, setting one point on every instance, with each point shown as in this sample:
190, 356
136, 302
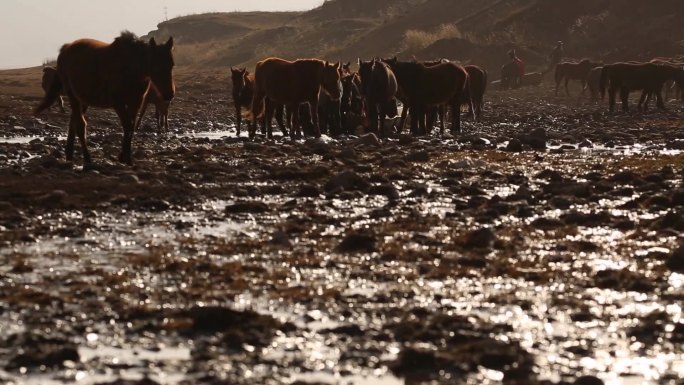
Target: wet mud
542, 245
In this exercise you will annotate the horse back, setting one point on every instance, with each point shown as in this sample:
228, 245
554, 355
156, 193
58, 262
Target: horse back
288, 81
442, 82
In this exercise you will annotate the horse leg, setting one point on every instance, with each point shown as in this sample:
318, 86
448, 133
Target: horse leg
402, 119
382, 115
294, 110
238, 117
567, 90
313, 105
61, 104
611, 99
279, 118
624, 95
455, 117
659, 100
76, 116
442, 117
124, 115
644, 100
268, 120
79, 125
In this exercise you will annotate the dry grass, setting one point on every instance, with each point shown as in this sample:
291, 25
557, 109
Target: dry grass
415, 40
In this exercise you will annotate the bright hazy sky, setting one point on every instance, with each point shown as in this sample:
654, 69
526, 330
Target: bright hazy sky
34, 30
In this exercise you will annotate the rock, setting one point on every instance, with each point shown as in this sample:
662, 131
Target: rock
369, 139
406, 139
53, 198
318, 146
386, 189
482, 238
347, 181
588, 380
154, 205
129, 178
280, 238
357, 242
536, 139
251, 207
418, 156
514, 145
586, 143
308, 191
675, 261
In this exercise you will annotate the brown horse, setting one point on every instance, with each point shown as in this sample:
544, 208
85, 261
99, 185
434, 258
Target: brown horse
574, 71
49, 76
379, 89
161, 110
647, 77
422, 87
474, 97
116, 75
291, 84
510, 76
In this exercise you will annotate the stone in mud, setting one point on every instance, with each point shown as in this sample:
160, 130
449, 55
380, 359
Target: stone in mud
357, 242
251, 207
369, 139
672, 220
406, 139
588, 380
482, 238
31, 351
514, 145
535, 139
129, 178
386, 189
154, 205
308, 191
586, 143
318, 146
346, 181
418, 156
53, 198
238, 327
143, 381
675, 261
546, 223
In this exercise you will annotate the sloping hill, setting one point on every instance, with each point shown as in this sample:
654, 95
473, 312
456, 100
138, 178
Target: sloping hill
479, 31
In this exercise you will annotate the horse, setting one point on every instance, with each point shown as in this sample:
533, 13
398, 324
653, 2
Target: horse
352, 101
243, 91
292, 83
422, 87
161, 110
379, 88
117, 75
510, 76
474, 97
573, 71
49, 76
626, 77
593, 82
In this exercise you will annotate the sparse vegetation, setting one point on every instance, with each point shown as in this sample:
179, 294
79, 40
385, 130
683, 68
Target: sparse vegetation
415, 40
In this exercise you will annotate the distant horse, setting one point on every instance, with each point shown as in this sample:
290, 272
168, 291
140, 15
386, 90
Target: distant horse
573, 71
243, 91
116, 75
379, 89
510, 76
646, 77
423, 87
161, 110
593, 82
474, 97
293, 83
49, 76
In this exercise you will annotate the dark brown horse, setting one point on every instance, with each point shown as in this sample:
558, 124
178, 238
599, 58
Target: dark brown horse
379, 89
646, 77
291, 84
574, 71
510, 76
243, 91
49, 76
116, 75
474, 97
593, 82
161, 110
422, 87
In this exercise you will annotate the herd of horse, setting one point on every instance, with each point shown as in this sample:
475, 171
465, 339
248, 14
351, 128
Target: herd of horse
310, 96
651, 78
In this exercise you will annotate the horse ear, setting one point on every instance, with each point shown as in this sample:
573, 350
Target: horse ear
153, 42
169, 43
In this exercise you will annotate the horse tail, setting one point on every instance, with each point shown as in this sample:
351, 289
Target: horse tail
51, 95
258, 106
468, 87
603, 82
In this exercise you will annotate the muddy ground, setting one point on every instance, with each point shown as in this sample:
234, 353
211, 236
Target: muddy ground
441, 260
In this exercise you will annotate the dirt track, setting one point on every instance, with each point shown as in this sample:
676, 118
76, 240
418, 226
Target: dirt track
214, 260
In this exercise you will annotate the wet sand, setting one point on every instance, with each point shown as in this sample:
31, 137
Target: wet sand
538, 246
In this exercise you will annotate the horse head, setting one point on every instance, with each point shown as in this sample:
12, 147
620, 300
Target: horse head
330, 80
237, 76
161, 68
